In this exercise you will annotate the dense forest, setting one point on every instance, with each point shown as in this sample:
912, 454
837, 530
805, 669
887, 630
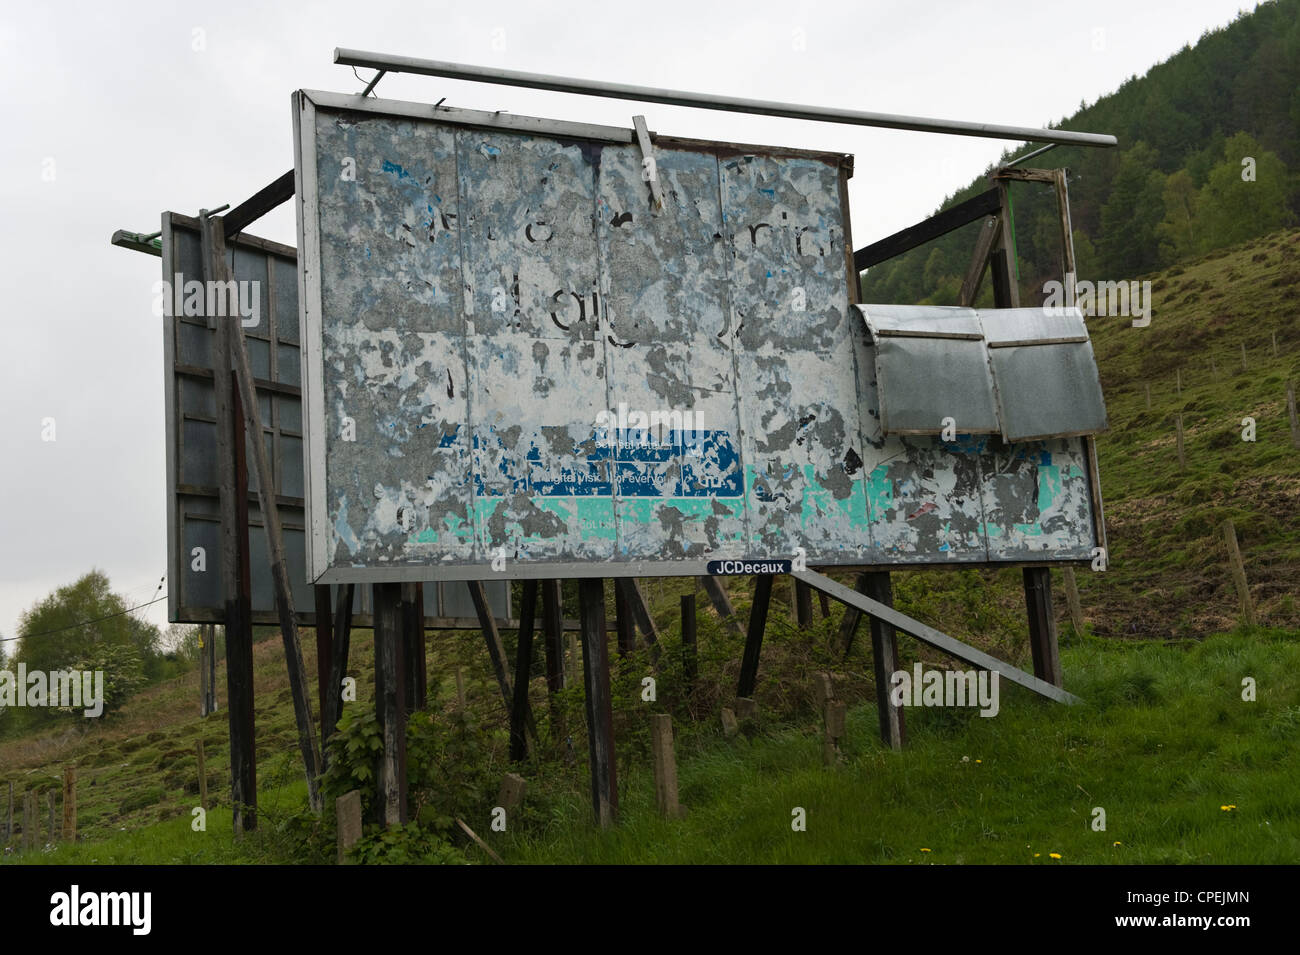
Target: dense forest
1209, 156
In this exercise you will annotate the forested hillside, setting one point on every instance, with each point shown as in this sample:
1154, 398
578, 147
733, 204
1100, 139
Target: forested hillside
1208, 157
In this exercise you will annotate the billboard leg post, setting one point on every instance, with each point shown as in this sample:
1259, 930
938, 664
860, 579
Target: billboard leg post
235, 577
884, 652
553, 634
1042, 625
497, 652
523, 667
721, 602
803, 604
324, 645
600, 717
754, 639
390, 701
332, 705
852, 617
623, 621
415, 687
640, 614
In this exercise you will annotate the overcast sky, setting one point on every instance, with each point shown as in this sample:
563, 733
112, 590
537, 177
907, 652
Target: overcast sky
114, 112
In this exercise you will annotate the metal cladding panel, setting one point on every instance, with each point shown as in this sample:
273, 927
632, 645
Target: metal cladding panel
515, 355
194, 518
1045, 390
914, 403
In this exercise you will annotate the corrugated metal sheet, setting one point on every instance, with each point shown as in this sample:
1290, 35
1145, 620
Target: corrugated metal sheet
1025, 373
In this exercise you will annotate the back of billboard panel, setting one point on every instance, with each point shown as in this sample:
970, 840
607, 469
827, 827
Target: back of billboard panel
517, 362
268, 308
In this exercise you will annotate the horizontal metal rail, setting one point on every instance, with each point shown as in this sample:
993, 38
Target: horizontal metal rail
733, 104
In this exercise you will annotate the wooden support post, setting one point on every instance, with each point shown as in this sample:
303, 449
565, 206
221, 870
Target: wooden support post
824, 603
1072, 600
496, 651
217, 269
571, 656
1006, 290
1182, 460
624, 625
754, 638
884, 652
721, 602
1042, 624
414, 660
333, 705
553, 635
324, 646
29, 821
1238, 568
600, 716
232, 473
661, 742
523, 669
970, 286
70, 804
635, 599
390, 706
802, 604
852, 617
347, 811
690, 649
203, 775
1291, 413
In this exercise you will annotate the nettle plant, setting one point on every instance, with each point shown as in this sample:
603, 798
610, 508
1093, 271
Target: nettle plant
446, 779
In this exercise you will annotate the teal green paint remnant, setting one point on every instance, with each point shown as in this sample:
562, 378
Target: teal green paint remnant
596, 518
1049, 485
1029, 530
880, 492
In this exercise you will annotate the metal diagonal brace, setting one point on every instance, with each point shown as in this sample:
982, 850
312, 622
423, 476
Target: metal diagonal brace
648, 160
940, 641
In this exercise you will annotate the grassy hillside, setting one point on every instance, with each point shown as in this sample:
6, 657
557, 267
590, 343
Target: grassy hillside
1162, 742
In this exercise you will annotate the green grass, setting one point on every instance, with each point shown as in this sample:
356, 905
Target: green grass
1162, 741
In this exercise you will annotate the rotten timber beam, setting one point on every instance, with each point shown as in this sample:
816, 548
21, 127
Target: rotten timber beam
977, 207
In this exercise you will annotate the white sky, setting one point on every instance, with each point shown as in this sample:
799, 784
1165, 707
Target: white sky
136, 121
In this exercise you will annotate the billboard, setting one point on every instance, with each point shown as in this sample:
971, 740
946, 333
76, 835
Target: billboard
518, 361
268, 308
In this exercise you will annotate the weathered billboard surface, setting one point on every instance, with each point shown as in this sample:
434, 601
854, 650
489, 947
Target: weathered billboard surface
267, 273
517, 362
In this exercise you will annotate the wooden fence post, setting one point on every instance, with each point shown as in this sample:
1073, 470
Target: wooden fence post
347, 809
1239, 573
1147, 386
835, 712
1182, 460
1072, 599
661, 733
70, 804
600, 717
1291, 413
29, 821
49, 816
203, 777
690, 651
